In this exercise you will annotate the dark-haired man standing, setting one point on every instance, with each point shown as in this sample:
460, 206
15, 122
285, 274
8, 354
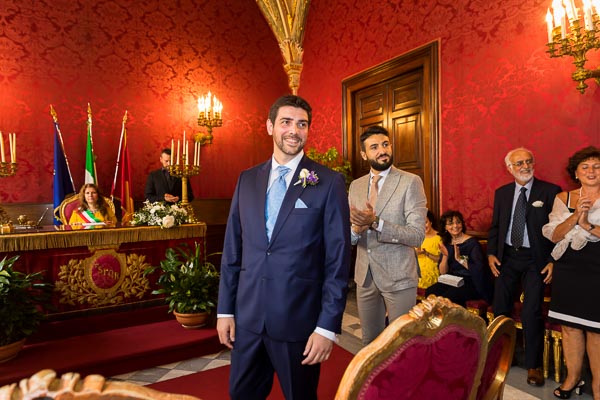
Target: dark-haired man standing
387, 211
284, 271
162, 186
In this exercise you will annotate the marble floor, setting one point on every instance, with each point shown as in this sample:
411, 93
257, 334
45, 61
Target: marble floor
516, 388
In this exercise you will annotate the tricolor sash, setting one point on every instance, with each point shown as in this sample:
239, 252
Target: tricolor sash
89, 217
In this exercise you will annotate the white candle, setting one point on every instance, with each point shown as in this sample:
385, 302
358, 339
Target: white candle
2, 148
563, 27
550, 27
587, 15
13, 148
570, 10
596, 4
177, 151
199, 152
187, 154
195, 153
172, 151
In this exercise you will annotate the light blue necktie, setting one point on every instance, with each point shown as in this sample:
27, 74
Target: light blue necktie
275, 197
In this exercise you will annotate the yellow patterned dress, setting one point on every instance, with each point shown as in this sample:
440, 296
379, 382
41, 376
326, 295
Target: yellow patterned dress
429, 268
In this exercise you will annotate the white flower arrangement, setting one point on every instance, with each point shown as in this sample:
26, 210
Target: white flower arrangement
160, 214
538, 204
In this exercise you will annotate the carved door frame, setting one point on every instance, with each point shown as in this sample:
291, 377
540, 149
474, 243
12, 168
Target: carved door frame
427, 58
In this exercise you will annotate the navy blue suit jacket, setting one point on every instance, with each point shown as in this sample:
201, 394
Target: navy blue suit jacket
541, 192
299, 279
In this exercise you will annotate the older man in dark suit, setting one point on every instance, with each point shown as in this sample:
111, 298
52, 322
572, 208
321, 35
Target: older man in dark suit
518, 253
284, 270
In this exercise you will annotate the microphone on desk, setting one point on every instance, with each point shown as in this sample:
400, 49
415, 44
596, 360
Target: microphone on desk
39, 222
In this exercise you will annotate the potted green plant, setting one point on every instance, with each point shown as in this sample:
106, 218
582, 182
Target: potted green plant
190, 284
332, 159
22, 300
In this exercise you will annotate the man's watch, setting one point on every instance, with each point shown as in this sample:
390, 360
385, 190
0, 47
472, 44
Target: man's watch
375, 223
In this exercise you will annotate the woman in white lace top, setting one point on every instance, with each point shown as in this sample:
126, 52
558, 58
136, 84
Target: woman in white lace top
575, 228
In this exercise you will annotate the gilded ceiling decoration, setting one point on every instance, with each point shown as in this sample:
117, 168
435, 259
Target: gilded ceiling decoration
287, 19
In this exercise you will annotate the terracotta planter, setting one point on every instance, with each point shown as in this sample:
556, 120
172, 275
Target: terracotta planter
191, 321
10, 351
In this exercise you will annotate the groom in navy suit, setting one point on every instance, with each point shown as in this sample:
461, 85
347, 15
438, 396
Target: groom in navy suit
284, 270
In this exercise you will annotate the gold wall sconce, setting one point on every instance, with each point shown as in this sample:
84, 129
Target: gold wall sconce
210, 116
572, 32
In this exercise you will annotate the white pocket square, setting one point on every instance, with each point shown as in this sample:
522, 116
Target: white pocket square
300, 204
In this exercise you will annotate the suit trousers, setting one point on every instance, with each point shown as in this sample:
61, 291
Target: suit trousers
374, 304
517, 270
254, 359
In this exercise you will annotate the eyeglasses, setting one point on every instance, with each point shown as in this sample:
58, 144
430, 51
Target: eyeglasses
519, 164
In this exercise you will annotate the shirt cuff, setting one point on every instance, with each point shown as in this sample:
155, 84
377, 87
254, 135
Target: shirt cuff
224, 315
380, 225
325, 333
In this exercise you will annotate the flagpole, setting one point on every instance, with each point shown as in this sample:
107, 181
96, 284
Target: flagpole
62, 145
112, 191
89, 111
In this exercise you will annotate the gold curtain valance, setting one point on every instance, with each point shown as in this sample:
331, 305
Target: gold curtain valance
48, 239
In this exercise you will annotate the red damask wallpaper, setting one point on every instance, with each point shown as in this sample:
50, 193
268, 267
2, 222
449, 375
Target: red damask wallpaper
151, 58
499, 89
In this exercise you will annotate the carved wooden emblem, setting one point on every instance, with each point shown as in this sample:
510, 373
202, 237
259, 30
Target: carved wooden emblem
105, 278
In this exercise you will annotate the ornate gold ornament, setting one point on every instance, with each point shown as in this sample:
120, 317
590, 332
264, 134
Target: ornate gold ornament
287, 19
105, 278
573, 31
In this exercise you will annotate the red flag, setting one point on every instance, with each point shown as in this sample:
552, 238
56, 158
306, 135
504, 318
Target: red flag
122, 184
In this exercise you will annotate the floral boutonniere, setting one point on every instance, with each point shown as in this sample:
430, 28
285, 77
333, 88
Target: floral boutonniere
307, 178
537, 204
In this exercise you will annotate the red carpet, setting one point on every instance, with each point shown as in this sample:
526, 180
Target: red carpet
213, 384
113, 352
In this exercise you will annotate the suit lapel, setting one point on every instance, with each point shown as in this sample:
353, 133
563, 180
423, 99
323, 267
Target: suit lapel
262, 182
289, 201
534, 195
389, 186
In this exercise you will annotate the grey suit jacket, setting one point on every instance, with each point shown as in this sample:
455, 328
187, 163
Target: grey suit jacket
402, 206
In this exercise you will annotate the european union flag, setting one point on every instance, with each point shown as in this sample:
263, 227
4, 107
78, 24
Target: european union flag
63, 181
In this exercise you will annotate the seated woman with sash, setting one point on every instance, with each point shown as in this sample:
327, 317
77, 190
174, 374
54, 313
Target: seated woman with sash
93, 209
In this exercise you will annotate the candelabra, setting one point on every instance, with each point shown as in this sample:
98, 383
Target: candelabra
569, 35
183, 170
7, 169
209, 115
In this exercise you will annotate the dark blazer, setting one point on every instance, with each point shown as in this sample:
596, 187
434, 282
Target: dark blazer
299, 279
537, 217
157, 185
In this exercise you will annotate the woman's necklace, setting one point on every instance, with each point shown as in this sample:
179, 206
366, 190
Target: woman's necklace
459, 239
592, 196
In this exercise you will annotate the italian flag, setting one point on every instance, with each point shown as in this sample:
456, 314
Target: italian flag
90, 160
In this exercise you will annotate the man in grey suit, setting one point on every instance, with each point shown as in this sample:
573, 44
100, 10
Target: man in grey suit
387, 212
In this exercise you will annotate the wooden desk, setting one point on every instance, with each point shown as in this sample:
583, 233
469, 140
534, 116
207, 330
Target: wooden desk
97, 270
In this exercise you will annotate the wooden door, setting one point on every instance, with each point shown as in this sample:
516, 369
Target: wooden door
402, 96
